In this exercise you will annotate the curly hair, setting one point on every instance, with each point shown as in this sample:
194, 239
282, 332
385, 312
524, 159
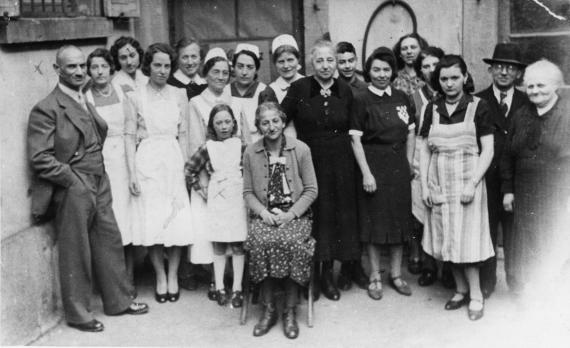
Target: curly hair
122, 42
158, 48
398, 47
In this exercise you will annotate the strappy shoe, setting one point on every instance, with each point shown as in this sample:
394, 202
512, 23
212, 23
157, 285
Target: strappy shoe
455, 304
403, 288
375, 289
237, 299
476, 314
222, 297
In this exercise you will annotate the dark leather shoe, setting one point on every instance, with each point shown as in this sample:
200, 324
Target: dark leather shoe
344, 282
90, 326
267, 321
189, 283
160, 298
237, 299
328, 287
427, 278
290, 326
222, 297
476, 314
173, 297
135, 308
452, 305
414, 266
359, 277
212, 293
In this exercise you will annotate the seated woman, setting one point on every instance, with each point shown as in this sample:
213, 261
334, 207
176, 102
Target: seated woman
535, 172
452, 165
279, 186
220, 158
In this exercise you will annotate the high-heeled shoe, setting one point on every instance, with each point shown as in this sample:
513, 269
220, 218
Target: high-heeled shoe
267, 320
160, 298
173, 297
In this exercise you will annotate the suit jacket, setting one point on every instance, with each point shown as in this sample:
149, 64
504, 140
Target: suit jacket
55, 143
500, 124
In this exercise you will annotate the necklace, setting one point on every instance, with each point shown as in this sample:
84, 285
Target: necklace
102, 93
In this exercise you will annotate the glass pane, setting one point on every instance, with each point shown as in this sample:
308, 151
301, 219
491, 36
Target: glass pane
264, 18
208, 19
553, 48
387, 27
529, 16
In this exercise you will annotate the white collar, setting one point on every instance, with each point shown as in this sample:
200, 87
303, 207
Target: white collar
180, 76
75, 95
213, 99
380, 92
284, 84
545, 109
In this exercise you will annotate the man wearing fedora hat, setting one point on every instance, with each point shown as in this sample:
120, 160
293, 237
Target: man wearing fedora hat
503, 99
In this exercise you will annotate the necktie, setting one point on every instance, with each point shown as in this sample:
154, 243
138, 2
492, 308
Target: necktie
503, 103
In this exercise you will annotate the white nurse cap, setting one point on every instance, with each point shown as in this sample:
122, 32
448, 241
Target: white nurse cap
247, 47
215, 52
282, 40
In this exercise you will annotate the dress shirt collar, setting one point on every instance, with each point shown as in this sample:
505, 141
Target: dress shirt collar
509, 99
180, 76
75, 95
380, 92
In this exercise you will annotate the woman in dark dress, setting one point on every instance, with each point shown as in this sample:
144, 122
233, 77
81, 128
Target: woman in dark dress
535, 169
320, 106
189, 62
382, 131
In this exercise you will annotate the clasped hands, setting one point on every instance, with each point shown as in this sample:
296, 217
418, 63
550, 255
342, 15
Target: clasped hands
276, 217
467, 194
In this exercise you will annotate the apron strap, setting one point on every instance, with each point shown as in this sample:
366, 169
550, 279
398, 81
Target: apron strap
435, 116
471, 108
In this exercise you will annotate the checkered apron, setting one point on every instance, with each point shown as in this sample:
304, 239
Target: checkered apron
455, 231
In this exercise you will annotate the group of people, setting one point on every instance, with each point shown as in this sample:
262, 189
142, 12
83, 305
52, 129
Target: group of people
205, 162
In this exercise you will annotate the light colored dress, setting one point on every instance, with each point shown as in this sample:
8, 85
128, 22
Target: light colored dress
202, 251
454, 231
126, 83
114, 157
226, 208
163, 206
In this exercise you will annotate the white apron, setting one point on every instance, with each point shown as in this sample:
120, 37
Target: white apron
245, 108
226, 207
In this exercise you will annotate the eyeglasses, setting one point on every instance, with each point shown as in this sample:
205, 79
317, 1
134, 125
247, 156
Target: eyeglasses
509, 67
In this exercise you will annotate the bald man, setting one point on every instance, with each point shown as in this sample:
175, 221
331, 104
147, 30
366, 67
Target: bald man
65, 138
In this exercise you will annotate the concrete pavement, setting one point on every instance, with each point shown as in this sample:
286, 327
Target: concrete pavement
354, 321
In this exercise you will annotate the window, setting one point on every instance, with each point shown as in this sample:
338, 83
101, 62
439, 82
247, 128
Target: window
541, 28
60, 8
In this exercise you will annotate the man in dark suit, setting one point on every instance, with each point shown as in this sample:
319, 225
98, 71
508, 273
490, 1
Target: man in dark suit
65, 139
503, 99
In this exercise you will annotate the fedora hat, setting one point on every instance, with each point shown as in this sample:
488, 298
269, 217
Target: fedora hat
506, 53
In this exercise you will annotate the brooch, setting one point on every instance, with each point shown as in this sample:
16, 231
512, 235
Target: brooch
326, 92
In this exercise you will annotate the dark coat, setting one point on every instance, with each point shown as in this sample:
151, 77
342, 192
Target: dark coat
54, 143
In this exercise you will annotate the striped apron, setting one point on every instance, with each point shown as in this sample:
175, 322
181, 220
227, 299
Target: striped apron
455, 231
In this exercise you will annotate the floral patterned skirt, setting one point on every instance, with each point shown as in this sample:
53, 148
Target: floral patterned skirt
280, 252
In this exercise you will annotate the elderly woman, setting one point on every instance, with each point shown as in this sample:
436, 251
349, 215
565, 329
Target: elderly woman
127, 54
535, 171
407, 51
452, 165
279, 187
158, 116
109, 103
245, 89
382, 131
189, 60
320, 106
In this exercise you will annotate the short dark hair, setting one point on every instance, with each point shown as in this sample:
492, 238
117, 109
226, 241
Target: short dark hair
211, 132
122, 42
211, 62
152, 50
384, 54
285, 49
247, 53
187, 41
448, 61
100, 53
430, 51
345, 47
398, 46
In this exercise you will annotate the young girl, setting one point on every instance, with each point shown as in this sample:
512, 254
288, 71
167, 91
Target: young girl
220, 158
